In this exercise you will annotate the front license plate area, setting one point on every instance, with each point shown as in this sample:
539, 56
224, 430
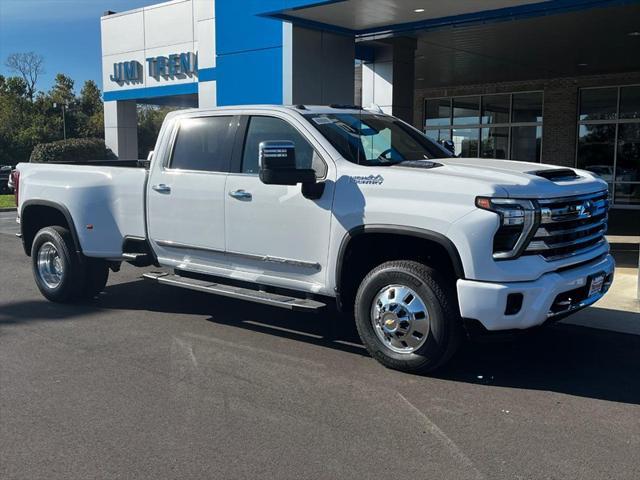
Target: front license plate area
595, 283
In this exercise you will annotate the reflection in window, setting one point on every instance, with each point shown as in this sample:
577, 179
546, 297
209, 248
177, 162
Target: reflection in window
627, 194
438, 112
630, 102
439, 135
465, 142
527, 107
526, 143
485, 125
609, 139
495, 108
262, 129
628, 160
596, 144
598, 103
200, 144
495, 143
466, 110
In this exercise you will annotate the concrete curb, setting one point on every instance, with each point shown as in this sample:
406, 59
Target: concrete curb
8, 209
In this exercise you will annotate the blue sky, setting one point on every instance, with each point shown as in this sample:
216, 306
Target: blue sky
65, 32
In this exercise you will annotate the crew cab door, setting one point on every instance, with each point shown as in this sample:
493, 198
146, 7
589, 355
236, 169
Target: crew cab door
274, 232
186, 193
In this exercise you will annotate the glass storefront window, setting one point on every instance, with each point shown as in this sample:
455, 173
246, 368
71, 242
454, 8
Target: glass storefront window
527, 107
628, 158
495, 142
526, 143
609, 139
627, 194
500, 125
439, 135
438, 112
495, 108
630, 102
596, 148
465, 141
598, 103
466, 110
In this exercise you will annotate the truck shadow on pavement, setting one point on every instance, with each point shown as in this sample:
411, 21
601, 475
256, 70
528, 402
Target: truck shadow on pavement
562, 358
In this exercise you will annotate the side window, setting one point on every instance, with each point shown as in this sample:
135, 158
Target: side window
201, 144
270, 128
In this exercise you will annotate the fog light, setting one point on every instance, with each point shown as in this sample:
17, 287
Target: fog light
514, 303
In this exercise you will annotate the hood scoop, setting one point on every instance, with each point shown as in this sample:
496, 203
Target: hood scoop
556, 174
419, 164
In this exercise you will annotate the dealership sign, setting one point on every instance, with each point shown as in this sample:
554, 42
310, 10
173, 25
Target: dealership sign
176, 65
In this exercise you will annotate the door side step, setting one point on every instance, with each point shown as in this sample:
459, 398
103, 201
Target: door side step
267, 298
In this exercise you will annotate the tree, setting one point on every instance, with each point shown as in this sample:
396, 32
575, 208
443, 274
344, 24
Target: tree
13, 86
29, 66
90, 98
90, 114
62, 90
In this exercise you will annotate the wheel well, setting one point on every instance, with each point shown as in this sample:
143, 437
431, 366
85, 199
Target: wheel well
36, 217
367, 250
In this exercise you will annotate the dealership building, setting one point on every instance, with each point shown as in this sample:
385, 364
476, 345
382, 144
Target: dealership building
555, 81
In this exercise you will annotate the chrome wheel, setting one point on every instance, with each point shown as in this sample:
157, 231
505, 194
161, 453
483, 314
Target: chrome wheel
400, 318
50, 267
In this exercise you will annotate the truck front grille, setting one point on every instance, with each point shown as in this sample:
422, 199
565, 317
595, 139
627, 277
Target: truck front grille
570, 226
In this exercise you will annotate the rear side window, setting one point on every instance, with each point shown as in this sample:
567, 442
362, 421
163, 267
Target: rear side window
270, 129
201, 144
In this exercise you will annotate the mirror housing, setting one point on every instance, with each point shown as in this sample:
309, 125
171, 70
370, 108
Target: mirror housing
449, 145
277, 164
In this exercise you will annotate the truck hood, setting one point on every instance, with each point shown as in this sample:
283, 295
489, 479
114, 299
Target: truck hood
517, 179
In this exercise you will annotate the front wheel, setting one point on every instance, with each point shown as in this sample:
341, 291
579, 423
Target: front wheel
407, 316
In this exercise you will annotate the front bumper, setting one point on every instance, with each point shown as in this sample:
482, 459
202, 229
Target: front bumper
554, 294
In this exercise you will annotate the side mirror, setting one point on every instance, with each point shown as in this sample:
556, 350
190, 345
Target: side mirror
277, 162
146, 164
449, 145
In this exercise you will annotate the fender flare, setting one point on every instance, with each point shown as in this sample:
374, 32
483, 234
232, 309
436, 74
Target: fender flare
436, 237
56, 206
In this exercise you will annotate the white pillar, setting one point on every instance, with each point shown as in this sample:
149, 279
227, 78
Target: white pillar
121, 128
388, 81
317, 66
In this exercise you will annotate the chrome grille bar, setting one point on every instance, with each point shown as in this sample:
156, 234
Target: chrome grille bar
543, 232
546, 245
570, 226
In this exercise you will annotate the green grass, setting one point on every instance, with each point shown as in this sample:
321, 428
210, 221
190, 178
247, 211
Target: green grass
7, 201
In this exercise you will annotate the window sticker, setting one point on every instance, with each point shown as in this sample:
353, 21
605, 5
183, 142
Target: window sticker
323, 120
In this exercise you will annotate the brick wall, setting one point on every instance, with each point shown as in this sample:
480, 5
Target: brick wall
560, 107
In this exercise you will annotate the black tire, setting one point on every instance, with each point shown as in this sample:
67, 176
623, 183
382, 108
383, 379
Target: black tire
72, 277
438, 295
96, 276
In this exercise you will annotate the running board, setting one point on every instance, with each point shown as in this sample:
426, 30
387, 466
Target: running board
138, 259
273, 299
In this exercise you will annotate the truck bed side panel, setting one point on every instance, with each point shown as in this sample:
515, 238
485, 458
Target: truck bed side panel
106, 203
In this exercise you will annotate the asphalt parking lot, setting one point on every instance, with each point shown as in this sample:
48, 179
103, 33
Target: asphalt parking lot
154, 382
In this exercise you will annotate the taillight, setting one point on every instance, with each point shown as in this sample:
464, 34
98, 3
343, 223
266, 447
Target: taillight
16, 184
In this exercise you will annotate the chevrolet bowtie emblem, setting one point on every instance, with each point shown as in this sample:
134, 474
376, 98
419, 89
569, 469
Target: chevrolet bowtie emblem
586, 209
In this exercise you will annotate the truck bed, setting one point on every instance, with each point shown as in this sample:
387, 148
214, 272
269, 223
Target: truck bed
105, 199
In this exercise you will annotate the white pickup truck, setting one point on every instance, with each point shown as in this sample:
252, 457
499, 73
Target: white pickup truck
298, 206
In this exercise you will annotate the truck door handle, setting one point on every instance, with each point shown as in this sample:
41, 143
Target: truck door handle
162, 188
241, 195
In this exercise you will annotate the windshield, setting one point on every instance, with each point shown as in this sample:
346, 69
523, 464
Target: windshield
374, 140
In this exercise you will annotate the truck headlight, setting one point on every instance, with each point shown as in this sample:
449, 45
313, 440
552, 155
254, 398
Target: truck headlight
518, 219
